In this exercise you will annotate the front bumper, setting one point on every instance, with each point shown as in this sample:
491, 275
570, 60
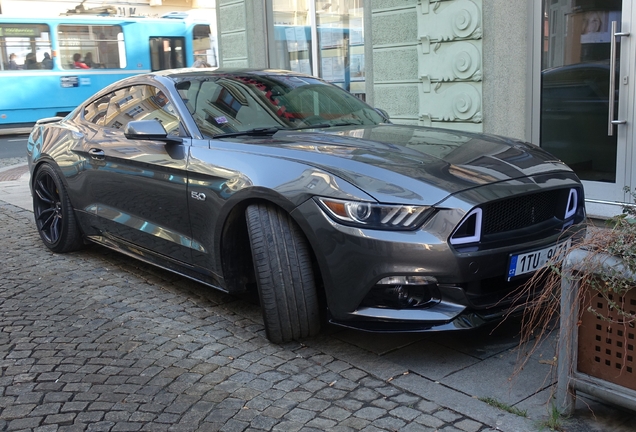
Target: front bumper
471, 286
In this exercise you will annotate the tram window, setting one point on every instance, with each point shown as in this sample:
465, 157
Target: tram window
167, 53
97, 46
25, 46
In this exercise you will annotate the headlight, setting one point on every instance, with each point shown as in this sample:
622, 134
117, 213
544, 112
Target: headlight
377, 216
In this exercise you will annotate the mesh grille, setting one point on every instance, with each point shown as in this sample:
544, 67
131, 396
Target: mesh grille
520, 212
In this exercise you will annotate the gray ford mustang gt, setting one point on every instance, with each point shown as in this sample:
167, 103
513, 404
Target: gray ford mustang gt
280, 183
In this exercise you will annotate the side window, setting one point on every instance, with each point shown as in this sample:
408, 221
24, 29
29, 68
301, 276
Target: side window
92, 47
141, 102
167, 53
225, 105
25, 46
96, 111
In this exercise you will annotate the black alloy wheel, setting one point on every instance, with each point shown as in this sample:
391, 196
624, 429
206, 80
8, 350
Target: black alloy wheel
54, 216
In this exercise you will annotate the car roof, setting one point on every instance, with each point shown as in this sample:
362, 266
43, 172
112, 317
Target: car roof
177, 75
180, 73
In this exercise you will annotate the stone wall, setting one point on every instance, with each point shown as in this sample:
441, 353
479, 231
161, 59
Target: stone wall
458, 64
242, 34
232, 33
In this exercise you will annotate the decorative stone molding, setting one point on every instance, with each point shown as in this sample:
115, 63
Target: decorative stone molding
455, 102
450, 61
450, 20
446, 62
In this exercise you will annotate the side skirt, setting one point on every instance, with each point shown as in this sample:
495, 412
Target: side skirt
163, 262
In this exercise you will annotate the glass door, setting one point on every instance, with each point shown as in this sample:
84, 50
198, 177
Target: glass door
341, 47
294, 21
587, 95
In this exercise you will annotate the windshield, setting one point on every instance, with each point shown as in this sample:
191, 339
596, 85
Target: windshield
235, 103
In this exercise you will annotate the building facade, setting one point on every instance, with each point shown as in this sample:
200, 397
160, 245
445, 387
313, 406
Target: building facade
552, 72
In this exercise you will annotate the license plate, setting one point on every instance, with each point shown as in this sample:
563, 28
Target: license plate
530, 261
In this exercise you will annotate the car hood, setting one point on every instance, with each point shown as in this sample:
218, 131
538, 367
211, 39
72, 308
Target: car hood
415, 164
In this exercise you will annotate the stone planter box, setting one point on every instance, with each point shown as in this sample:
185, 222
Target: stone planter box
596, 356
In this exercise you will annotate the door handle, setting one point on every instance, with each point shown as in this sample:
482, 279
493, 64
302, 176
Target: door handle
612, 79
96, 153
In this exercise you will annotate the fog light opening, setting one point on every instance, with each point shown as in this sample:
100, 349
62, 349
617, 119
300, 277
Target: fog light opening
410, 296
403, 292
408, 280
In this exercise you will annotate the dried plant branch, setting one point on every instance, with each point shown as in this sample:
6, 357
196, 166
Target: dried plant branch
618, 239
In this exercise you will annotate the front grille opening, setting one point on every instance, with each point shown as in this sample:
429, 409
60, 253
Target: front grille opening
523, 211
520, 216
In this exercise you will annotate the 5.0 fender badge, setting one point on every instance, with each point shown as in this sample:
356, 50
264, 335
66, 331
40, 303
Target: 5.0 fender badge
198, 195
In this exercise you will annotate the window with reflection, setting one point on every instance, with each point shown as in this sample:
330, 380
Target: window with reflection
233, 103
292, 33
338, 50
140, 102
575, 93
341, 43
95, 112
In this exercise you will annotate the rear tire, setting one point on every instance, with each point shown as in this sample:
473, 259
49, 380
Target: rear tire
54, 215
284, 274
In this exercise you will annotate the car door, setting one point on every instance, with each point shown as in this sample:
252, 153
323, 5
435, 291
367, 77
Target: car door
138, 187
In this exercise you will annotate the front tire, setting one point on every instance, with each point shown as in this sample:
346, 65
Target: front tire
54, 216
284, 274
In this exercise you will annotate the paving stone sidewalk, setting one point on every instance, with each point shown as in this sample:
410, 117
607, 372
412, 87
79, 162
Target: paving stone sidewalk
10, 162
92, 341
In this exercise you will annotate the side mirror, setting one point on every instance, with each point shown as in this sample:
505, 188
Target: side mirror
384, 114
148, 130
48, 120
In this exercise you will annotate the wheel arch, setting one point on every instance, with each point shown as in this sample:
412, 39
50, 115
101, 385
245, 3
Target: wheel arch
235, 248
54, 214
51, 162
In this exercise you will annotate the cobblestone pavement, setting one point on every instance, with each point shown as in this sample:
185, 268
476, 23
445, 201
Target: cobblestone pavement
94, 341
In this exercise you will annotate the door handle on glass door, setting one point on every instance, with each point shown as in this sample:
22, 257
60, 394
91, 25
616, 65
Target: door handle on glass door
612, 79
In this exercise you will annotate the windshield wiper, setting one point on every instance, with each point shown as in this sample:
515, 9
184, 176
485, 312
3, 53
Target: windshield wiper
348, 123
272, 130
251, 132
268, 130
314, 126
